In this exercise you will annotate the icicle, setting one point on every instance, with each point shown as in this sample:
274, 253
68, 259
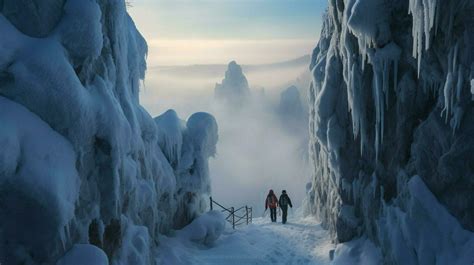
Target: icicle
449, 85
373, 184
424, 14
381, 61
386, 79
447, 95
457, 112
472, 89
395, 74
379, 108
459, 84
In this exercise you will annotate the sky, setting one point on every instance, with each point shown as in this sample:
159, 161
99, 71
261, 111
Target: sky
181, 32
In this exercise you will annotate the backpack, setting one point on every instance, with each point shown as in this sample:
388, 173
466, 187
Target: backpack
272, 201
284, 200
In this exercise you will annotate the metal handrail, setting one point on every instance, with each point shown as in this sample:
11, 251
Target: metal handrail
233, 218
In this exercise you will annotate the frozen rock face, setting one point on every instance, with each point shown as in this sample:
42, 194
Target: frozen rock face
234, 88
390, 100
36, 18
82, 163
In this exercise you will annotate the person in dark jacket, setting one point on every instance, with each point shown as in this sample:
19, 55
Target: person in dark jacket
284, 202
272, 203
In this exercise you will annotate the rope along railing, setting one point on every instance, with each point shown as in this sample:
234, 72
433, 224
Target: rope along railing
235, 217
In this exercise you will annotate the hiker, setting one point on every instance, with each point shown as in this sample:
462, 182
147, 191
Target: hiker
284, 201
272, 203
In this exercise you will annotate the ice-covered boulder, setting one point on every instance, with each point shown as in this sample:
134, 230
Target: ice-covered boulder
39, 184
205, 229
84, 254
170, 135
234, 88
81, 161
390, 100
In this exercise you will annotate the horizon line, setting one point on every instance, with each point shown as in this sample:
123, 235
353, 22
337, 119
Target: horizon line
226, 63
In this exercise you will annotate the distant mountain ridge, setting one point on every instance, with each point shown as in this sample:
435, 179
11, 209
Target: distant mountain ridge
218, 69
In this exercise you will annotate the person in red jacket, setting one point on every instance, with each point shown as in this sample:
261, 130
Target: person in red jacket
272, 203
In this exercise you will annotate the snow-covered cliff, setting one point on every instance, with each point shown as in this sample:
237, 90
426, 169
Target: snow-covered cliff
81, 161
392, 127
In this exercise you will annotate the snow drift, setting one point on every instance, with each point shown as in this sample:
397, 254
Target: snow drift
205, 229
81, 161
391, 126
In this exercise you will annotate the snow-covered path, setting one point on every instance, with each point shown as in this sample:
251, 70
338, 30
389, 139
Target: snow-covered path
300, 241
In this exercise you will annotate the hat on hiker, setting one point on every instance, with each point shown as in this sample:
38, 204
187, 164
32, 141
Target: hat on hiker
283, 191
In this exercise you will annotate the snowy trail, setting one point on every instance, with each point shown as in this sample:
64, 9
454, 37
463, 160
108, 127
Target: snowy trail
300, 241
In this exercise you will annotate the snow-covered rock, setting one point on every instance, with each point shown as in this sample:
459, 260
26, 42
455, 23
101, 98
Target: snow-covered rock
390, 100
81, 161
234, 88
205, 229
84, 254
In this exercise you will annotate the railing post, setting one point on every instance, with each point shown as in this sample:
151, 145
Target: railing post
247, 213
210, 199
233, 217
251, 214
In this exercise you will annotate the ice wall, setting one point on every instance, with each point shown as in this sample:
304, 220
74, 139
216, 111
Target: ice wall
391, 115
81, 161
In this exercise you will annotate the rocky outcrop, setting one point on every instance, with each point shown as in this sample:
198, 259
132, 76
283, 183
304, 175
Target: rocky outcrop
234, 89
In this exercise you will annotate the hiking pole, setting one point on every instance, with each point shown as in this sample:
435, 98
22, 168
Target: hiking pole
264, 212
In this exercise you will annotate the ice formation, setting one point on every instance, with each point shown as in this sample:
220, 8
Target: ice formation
82, 164
391, 127
205, 229
234, 89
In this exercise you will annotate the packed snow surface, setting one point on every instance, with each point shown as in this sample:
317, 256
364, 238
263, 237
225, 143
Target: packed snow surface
300, 241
